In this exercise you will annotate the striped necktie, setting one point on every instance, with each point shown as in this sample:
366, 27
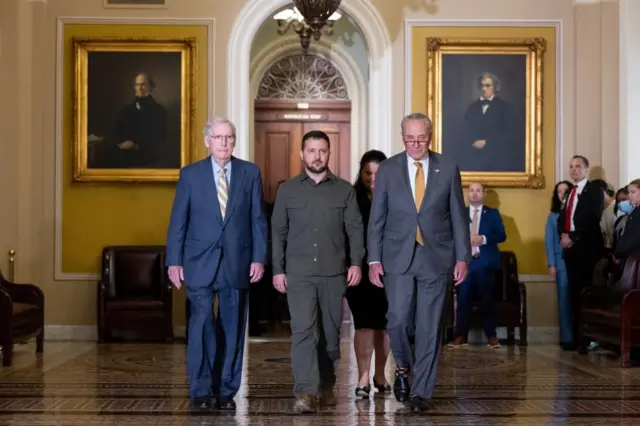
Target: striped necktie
223, 191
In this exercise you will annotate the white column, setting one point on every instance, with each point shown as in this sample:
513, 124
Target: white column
629, 11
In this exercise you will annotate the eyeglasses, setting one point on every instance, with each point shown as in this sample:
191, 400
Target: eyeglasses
421, 140
219, 138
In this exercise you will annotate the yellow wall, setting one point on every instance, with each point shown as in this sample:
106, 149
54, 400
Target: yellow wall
98, 214
524, 211
28, 58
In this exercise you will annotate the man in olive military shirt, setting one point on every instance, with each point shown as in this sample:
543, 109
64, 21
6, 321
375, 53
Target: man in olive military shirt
312, 213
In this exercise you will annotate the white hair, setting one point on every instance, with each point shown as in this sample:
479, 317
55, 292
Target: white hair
417, 116
213, 123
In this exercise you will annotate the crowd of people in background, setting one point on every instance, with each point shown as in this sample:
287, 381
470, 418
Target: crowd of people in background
591, 230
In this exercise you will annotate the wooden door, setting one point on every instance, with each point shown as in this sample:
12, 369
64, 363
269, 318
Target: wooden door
277, 153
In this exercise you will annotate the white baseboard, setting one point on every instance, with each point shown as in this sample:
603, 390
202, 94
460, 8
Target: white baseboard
88, 333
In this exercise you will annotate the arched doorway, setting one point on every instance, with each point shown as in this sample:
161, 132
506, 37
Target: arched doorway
380, 79
299, 93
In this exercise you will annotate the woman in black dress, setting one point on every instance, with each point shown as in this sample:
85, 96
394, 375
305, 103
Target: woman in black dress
367, 302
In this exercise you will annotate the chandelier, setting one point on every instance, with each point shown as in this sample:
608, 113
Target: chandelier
309, 18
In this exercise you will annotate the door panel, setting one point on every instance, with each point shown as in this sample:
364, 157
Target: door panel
277, 153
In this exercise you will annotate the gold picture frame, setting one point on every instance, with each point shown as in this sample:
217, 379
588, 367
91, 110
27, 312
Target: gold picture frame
135, 4
175, 59
527, 57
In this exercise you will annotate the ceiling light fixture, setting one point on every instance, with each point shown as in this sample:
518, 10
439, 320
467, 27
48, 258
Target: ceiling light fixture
309, 18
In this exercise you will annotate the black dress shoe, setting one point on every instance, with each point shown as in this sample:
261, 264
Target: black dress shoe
381, 388
401, 388
201, 403
226, 403
419, 404
363, 392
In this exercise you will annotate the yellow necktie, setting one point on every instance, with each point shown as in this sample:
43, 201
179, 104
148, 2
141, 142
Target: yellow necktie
419, 195
223, 191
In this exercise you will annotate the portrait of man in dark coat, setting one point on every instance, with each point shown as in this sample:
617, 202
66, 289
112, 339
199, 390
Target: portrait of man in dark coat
140, 132
484, 111
490, 129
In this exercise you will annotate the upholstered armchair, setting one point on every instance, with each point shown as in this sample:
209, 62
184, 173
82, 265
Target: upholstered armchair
134, 293
510, 305
21, 317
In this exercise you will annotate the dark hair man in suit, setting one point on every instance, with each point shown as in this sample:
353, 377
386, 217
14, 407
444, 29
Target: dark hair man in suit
487, 231
580, 235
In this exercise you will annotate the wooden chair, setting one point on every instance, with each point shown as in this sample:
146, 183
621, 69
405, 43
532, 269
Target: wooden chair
21, 317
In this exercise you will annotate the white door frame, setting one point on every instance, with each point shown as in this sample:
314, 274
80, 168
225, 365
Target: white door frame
343, 62
376, 36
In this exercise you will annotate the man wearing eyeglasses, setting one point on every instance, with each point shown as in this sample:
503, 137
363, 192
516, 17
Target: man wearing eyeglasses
217, 246
418, 239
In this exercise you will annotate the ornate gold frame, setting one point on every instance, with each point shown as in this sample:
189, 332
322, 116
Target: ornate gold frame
108, 5
81, 48
534, 49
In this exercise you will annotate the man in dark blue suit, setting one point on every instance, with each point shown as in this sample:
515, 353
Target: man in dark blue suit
486, 231
217, 245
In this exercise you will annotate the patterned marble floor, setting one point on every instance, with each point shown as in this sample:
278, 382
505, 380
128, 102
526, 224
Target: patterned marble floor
145, 384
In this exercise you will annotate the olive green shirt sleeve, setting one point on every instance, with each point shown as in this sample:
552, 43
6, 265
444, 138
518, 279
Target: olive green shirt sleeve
279, 232
354, 228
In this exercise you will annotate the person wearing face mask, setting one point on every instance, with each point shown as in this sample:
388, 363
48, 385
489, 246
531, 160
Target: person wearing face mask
629, 240
622, 209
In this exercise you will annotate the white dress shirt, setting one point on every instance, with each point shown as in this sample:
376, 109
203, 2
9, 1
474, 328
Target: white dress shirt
580, 187
485, 107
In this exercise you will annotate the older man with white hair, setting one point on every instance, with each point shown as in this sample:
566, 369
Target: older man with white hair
217, 246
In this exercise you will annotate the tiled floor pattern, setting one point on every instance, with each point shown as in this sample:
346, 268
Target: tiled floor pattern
145, 384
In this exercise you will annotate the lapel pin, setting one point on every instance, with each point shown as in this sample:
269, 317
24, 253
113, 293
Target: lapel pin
437, 170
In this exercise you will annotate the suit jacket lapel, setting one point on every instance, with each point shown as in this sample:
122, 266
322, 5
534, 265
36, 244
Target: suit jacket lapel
237, 177
483, 220
210, 188
404, 167
432, 177
584, 191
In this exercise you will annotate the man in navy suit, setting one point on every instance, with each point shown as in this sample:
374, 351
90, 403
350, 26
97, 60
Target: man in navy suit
217, 245
486, 231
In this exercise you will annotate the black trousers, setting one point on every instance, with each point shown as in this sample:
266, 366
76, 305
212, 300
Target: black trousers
580, 264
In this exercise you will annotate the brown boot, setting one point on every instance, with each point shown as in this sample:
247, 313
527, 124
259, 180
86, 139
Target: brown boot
458, 342
305, 404
328, 398
494, 343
